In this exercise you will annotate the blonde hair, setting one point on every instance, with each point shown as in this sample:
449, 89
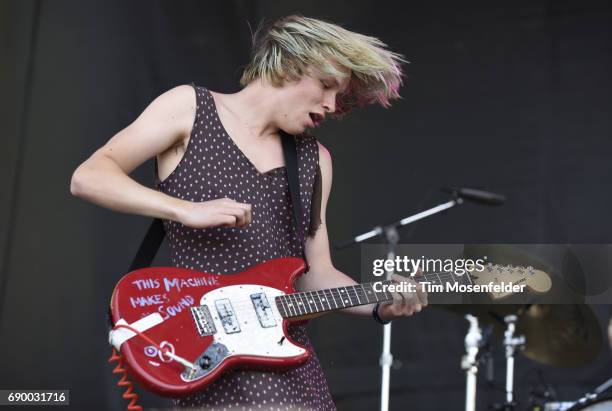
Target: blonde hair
292, 44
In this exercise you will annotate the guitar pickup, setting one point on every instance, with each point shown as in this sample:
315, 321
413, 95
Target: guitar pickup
263, 310
203, 320
227, 316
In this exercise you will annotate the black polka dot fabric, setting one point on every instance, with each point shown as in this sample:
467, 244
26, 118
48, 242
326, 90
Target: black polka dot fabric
214, 167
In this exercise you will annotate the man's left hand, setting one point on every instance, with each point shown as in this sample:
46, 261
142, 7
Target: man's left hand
406, 303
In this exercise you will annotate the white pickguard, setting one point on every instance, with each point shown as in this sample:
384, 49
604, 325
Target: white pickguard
252, 339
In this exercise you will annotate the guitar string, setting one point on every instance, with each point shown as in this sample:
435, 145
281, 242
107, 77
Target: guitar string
299, 307
314, 298
303, 302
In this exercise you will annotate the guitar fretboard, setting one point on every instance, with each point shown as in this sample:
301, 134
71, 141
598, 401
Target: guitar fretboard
311, 302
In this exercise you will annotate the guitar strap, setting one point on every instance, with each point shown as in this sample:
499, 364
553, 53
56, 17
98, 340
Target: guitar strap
291, 164
155, 234
149, 245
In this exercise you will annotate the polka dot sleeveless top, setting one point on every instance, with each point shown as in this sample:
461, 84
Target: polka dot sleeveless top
213, 167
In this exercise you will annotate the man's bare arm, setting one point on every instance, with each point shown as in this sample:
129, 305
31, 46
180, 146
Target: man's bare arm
323, 274
104, 178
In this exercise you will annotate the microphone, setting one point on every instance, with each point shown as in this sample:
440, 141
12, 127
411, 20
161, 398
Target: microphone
477, 196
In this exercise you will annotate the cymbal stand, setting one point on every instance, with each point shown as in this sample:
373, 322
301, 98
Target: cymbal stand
511, 342
590, 396
469, 362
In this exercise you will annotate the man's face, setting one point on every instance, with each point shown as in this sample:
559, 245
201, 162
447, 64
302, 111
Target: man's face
308, 100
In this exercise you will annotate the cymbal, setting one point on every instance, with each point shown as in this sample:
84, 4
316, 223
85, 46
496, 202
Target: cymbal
561, 335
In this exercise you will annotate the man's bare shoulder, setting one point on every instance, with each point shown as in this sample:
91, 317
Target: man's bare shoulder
325, 158
178, 100
171, 115
185, 93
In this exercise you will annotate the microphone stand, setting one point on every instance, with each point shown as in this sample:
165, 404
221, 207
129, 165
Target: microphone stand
391, 235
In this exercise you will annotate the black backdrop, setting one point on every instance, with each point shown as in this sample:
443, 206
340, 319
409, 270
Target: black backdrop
508, 96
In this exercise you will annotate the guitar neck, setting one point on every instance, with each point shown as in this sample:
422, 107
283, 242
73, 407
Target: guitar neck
312, 302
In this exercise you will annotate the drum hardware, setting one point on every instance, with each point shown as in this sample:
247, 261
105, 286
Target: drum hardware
590, 400
469, 363
598, 400
559, 335
543, 393
477, 341
511, 343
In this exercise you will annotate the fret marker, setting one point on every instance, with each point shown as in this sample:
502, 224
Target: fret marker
346, 301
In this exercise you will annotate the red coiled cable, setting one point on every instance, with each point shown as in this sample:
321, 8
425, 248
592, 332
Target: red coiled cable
129, 394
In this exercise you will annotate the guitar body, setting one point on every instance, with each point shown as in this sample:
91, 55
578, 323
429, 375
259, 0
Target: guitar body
216, 322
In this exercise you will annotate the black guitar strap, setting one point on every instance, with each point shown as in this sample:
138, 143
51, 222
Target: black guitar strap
149, 245
291, 163
155, 234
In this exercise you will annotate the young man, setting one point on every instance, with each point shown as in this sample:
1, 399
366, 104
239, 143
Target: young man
222, 188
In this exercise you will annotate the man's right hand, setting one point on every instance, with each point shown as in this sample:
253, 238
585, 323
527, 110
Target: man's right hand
223, 212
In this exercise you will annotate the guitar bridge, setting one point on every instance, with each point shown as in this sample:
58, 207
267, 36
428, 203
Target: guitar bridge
203, 320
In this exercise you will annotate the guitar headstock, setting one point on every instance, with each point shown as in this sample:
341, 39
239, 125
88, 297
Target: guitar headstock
537, 281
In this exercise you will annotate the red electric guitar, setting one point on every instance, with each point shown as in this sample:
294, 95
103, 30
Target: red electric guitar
179, 329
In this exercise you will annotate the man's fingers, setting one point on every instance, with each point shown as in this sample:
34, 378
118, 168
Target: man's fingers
422, 294
397, 298
232, 213
242, 214
421, 290
408, 302
247, 215
227, 220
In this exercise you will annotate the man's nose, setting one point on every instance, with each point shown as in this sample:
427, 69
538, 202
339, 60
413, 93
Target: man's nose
330, 105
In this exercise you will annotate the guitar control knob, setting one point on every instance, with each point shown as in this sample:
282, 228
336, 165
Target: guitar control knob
205, 362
